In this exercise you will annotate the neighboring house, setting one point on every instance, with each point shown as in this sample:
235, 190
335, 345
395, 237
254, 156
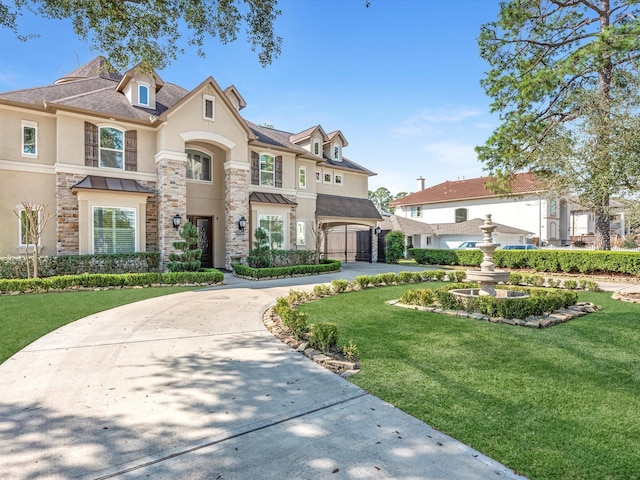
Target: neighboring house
449, 235
526, 209
582, 224
119, 158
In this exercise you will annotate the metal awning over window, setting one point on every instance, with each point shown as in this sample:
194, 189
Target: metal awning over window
95, 182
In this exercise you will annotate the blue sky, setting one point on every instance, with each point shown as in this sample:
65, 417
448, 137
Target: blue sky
400, 79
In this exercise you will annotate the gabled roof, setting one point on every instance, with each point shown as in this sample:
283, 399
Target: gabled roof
473, 188
304, 135
406, 225
337, 133
472, 227
230, 91
131, 74
346, 207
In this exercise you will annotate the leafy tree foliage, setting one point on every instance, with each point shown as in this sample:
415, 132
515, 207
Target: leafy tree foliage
147, 32
382, 199
394, 248
564, 78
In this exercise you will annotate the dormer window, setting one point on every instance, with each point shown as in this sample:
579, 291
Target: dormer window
336, 152
208, 107
143, 95
316, 147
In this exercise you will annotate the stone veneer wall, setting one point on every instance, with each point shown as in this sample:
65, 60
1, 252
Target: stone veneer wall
171, 171
67, 214
236, 193
151, 216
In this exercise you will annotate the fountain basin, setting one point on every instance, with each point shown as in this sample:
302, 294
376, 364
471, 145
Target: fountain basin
488, 276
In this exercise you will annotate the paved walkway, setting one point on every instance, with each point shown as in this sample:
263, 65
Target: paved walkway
192, 386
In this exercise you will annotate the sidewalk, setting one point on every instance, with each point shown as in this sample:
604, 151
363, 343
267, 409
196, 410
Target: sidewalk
192, 386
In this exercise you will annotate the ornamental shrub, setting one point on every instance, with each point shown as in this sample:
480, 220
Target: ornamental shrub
323, 336
189, 258
394, 248
339, 286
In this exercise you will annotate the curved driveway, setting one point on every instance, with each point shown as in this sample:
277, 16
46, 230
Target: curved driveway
192, 386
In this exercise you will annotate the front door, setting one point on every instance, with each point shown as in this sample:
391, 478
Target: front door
205, 238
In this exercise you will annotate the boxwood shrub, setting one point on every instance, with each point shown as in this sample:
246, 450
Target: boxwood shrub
270, 272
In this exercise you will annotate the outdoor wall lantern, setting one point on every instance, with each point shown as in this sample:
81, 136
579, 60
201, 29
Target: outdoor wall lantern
242, 223
177, 219
377, 230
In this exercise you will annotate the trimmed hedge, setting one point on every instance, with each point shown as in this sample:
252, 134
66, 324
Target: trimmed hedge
540, 301
57, 265
555, 261
108, 280
257, 273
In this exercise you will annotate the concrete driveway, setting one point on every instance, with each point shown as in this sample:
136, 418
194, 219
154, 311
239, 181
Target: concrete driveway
192, 386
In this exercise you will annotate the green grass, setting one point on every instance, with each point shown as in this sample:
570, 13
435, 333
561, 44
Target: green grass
558, 403
25, 318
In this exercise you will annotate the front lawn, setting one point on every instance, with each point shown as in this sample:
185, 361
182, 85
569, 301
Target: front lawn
557, 403
25, 318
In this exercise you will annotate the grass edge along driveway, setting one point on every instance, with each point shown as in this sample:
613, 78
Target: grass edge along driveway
558, 403
25, 318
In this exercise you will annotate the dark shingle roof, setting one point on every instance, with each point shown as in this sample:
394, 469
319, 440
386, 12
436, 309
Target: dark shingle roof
472, 227
348, 207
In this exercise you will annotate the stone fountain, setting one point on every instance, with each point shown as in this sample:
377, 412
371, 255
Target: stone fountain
488, 276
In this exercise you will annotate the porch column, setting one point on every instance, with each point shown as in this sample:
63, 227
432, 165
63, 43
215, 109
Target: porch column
236, 196
171, 170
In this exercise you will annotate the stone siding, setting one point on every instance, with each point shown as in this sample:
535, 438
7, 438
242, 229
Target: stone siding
236, 186
171, 194
67, 214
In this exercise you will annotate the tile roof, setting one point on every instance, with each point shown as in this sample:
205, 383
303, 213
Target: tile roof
347, 207
469, 189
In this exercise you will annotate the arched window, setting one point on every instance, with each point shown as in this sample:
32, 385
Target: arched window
461, 215
198, 166
143, 95
111, 147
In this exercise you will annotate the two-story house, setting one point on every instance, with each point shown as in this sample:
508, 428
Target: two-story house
122, 159
527, 209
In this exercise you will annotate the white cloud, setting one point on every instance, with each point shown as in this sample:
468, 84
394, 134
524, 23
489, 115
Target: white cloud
429, 122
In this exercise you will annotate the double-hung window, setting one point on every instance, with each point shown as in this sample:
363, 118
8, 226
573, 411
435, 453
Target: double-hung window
416, 212
274, 226
29, 138
302, 177
28, 226
267, 170
198, 166
114, 230
301, 233
111, 148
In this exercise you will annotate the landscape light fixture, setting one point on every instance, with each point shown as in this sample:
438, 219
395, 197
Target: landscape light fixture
177, 219
242, 223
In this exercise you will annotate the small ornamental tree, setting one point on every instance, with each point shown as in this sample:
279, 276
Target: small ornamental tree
189, 259
260, 255
33, 220
394, 249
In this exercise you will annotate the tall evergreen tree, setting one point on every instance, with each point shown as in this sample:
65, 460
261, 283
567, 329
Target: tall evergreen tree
564, 79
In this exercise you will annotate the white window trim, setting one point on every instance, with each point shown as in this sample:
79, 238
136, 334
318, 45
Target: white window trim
260, 170
316, 148
206, 97
300, 183
330, 181
92, 228
336, 151
318, 176
148, 87
304, 237
124, 141
335, 179
28, 124
206, 152
285, 240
